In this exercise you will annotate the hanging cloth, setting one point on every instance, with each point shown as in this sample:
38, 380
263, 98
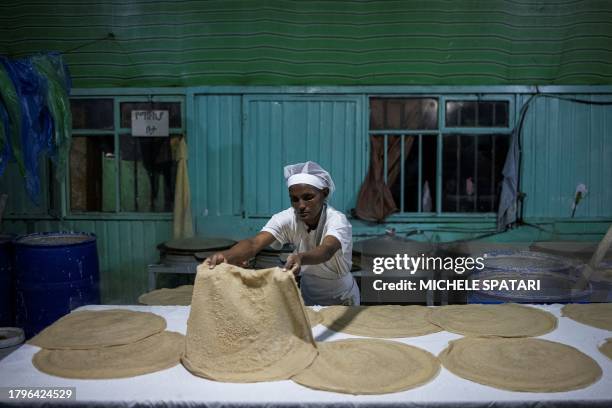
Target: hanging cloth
375, 201
182, 221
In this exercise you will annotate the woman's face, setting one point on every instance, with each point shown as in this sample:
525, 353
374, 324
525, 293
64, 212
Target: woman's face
307, 201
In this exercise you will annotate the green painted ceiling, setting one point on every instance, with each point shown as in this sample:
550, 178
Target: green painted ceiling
294, 42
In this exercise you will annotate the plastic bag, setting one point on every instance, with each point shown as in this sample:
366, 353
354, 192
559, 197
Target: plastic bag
52, 69
40, 110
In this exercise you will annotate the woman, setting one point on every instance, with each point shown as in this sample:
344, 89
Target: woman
321, 235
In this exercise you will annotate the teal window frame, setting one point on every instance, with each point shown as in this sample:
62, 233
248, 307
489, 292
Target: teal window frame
439, 133
144, 96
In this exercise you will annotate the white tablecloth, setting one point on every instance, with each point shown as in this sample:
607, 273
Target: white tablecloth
177, 387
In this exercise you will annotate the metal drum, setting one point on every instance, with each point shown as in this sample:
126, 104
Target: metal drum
182, 256
7, 301
557, 278
55, 272
183, 251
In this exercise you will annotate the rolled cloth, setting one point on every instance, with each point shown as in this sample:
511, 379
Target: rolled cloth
247, 325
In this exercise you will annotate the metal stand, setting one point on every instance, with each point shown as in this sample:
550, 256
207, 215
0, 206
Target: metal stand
154, 269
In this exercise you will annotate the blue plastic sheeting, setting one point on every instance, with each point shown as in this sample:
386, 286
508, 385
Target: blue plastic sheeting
5, 145
37, 121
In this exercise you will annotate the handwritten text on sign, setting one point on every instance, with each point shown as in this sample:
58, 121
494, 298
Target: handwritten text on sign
150, 123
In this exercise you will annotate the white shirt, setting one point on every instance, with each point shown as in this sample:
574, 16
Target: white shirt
288, 229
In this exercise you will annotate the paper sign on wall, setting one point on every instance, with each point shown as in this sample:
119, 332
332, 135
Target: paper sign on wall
150, 123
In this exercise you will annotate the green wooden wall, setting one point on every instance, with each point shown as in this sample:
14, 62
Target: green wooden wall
294, 42
564, 143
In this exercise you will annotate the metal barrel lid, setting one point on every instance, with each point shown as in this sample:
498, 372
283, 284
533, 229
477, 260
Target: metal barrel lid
50, 239
196, 244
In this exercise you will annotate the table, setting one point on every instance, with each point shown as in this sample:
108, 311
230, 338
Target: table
154, 269
176, 387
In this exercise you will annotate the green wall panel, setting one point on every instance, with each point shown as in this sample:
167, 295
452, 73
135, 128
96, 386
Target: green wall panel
286, 129
13, 184
215, 156
289, 42
566, 143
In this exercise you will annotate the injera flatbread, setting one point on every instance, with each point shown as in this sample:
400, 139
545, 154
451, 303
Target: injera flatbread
180, 296
99, 328
531, 365
368, 366
387, 321
606, 348
158, 352
247, 325
314, 317
505, 320
592, 314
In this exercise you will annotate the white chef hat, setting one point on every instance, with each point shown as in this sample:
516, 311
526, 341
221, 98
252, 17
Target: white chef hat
309, 173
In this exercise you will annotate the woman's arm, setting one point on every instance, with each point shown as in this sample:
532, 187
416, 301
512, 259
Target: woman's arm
242, 251
320, 254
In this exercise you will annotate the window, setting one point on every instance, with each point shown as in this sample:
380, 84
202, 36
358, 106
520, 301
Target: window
442, 154
112, 171
92, 161
472, 171
476, 113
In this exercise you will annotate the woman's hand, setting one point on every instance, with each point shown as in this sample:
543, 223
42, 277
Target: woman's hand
215, 260
294, 263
